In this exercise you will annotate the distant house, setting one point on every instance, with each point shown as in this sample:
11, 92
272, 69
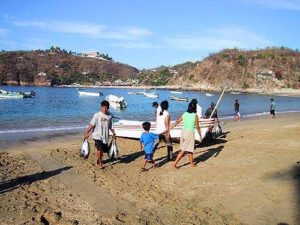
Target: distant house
42, 74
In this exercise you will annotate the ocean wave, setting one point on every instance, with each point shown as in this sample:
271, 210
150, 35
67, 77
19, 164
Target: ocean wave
42, 129
257, 114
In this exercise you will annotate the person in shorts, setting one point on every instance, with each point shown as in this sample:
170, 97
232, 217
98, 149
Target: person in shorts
148, 144
100, 125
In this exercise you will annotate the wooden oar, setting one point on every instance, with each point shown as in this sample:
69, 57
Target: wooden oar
216, 106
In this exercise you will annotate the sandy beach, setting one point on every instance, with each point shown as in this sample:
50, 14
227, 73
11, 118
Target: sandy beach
250, 175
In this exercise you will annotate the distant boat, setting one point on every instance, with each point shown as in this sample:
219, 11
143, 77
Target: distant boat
151, 95
86, 93
116, 101
131, 93
176, 92
235, 92
209, 94
16, 95
175, 98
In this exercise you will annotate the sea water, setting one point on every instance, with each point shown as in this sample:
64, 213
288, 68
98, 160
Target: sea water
61, 109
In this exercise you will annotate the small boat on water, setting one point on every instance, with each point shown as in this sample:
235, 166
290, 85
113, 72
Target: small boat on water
116, 101
15, 95
176, 98
134, 129
209, 94
235, 92
86, 93
151, 95
176, 92
132, 93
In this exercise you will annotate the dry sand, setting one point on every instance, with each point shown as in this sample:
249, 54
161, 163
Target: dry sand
248, 176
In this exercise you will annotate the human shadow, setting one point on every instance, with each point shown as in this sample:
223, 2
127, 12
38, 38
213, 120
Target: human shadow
212, 152
125, 158
294, 174
12, 184
208, 143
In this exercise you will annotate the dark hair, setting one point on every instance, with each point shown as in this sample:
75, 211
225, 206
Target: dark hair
164, 106
154, 104
146, 126
194, 101
272, 99
105, 103
192, 108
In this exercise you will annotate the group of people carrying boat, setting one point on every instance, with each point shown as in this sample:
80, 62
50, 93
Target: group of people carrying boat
101, 124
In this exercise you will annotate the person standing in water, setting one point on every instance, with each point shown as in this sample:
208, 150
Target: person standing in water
237, 115
272, 108
100, 125
187, 139
163, 126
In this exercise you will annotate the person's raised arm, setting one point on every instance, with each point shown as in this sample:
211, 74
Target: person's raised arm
176, 123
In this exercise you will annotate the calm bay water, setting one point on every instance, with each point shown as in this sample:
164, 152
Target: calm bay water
62, 109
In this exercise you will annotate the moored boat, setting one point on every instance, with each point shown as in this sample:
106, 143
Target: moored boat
16, 95
86, 93
116, 102
176, 92
176, 98
151, 95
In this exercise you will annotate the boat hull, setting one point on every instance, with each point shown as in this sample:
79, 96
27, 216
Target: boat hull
134, 129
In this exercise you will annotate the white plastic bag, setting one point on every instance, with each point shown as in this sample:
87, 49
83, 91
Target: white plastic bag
85, 149
113, 151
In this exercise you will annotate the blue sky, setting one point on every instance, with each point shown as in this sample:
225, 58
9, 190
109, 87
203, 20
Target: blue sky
149, 33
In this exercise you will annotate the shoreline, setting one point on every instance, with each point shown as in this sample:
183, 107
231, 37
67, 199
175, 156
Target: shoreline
27, 138
288, 92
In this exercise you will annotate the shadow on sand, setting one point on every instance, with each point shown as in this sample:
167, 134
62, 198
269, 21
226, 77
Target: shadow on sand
12, 184
294, 174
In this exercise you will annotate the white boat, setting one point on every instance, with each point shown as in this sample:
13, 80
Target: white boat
175, 98
116, 102
235, 92
86, 93
151, 95
134, 129
209, 94
16, 95
131, 93
176, 92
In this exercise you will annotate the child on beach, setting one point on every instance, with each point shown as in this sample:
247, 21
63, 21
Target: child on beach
148, 144
100, 125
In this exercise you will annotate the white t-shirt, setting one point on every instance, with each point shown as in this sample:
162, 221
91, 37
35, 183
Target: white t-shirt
160, 122
102, 123
199, 111
158, 110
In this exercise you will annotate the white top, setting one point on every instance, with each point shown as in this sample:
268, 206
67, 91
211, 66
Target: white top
158, 110
160, 122
102, 123
199, 111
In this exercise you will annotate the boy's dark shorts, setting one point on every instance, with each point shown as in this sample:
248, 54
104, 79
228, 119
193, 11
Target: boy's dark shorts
101, 146
149, 157
272, 112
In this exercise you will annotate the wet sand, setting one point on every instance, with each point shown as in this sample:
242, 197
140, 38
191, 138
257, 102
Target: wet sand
249, 175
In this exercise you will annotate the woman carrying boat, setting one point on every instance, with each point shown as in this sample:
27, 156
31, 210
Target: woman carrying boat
163, 126
187, 139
